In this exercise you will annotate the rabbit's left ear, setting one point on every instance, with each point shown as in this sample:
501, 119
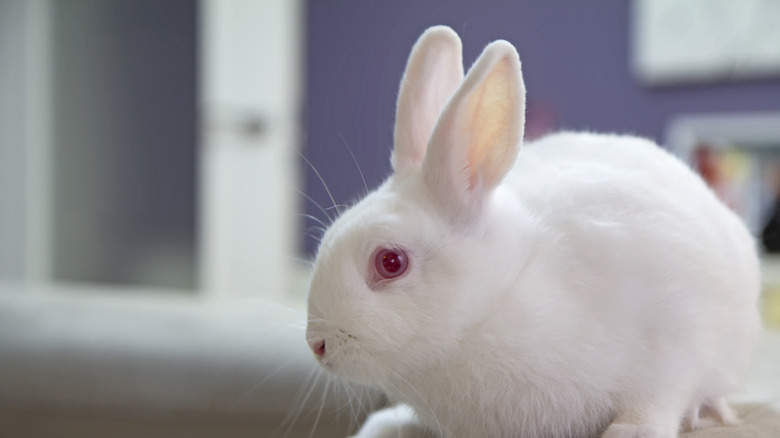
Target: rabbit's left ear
477, 138
433, 72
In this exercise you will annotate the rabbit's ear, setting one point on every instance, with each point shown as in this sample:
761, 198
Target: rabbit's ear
433, 72
477, 138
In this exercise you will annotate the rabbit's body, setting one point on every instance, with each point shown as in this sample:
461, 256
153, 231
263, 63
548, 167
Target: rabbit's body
589, 282
634, 285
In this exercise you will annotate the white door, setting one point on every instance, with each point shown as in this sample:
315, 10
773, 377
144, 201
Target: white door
249, 103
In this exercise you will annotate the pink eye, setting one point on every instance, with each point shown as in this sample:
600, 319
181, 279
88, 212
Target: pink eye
390, 263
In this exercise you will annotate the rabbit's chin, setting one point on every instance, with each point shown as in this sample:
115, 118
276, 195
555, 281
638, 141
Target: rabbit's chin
356, 371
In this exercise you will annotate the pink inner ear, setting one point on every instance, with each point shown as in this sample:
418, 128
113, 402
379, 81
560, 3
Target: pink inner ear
490, 117
478, 135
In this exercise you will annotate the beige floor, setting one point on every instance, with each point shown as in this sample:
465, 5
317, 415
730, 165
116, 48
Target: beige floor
18, 422
759, 421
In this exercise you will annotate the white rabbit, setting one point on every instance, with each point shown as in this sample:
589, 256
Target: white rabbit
581, 285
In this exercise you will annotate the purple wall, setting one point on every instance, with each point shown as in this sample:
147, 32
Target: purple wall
575, 58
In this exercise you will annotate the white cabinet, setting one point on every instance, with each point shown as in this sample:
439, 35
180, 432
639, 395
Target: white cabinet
151, 144
250, 93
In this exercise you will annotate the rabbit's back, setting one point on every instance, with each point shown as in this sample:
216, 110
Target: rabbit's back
629, 189
625, 198
668, 270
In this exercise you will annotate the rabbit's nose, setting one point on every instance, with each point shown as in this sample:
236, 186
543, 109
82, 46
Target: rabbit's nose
318, 347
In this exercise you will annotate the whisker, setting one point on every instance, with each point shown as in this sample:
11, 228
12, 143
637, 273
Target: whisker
350, 399
316, 237
293, 415
257, 385
354, 160
355, 396
332, 199
317, 319
352, 402
337, 408
316, 228
337, 207
314, 218
422, 399
260, 303
316, 204
354, 408
301, 260
319, 411
363, 407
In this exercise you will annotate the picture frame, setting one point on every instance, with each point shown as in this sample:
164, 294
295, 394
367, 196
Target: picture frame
738, 155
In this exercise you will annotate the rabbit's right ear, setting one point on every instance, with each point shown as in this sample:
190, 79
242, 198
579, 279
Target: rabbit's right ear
478, 136
433, 73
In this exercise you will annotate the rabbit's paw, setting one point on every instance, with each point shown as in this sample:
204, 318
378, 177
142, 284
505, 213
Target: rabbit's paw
713, 412
616, 430
394, 422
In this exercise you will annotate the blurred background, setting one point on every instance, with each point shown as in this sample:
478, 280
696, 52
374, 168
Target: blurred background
164, 163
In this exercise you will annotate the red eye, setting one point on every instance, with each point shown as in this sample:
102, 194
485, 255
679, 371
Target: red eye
390, 263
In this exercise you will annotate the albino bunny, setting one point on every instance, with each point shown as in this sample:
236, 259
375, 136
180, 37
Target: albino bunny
582, 285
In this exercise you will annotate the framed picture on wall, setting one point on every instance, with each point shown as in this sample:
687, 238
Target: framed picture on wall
704, 40
738, 156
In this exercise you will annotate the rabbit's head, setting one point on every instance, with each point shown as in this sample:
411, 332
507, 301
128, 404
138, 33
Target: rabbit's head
403, 276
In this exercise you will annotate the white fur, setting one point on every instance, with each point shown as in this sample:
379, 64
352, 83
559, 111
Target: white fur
433, 72
595, 286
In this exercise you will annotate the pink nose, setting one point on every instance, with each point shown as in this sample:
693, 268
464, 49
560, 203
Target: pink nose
318, 347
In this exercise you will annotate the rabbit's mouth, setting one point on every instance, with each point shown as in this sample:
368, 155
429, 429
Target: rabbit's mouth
328, 364
349, 360
333, 347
